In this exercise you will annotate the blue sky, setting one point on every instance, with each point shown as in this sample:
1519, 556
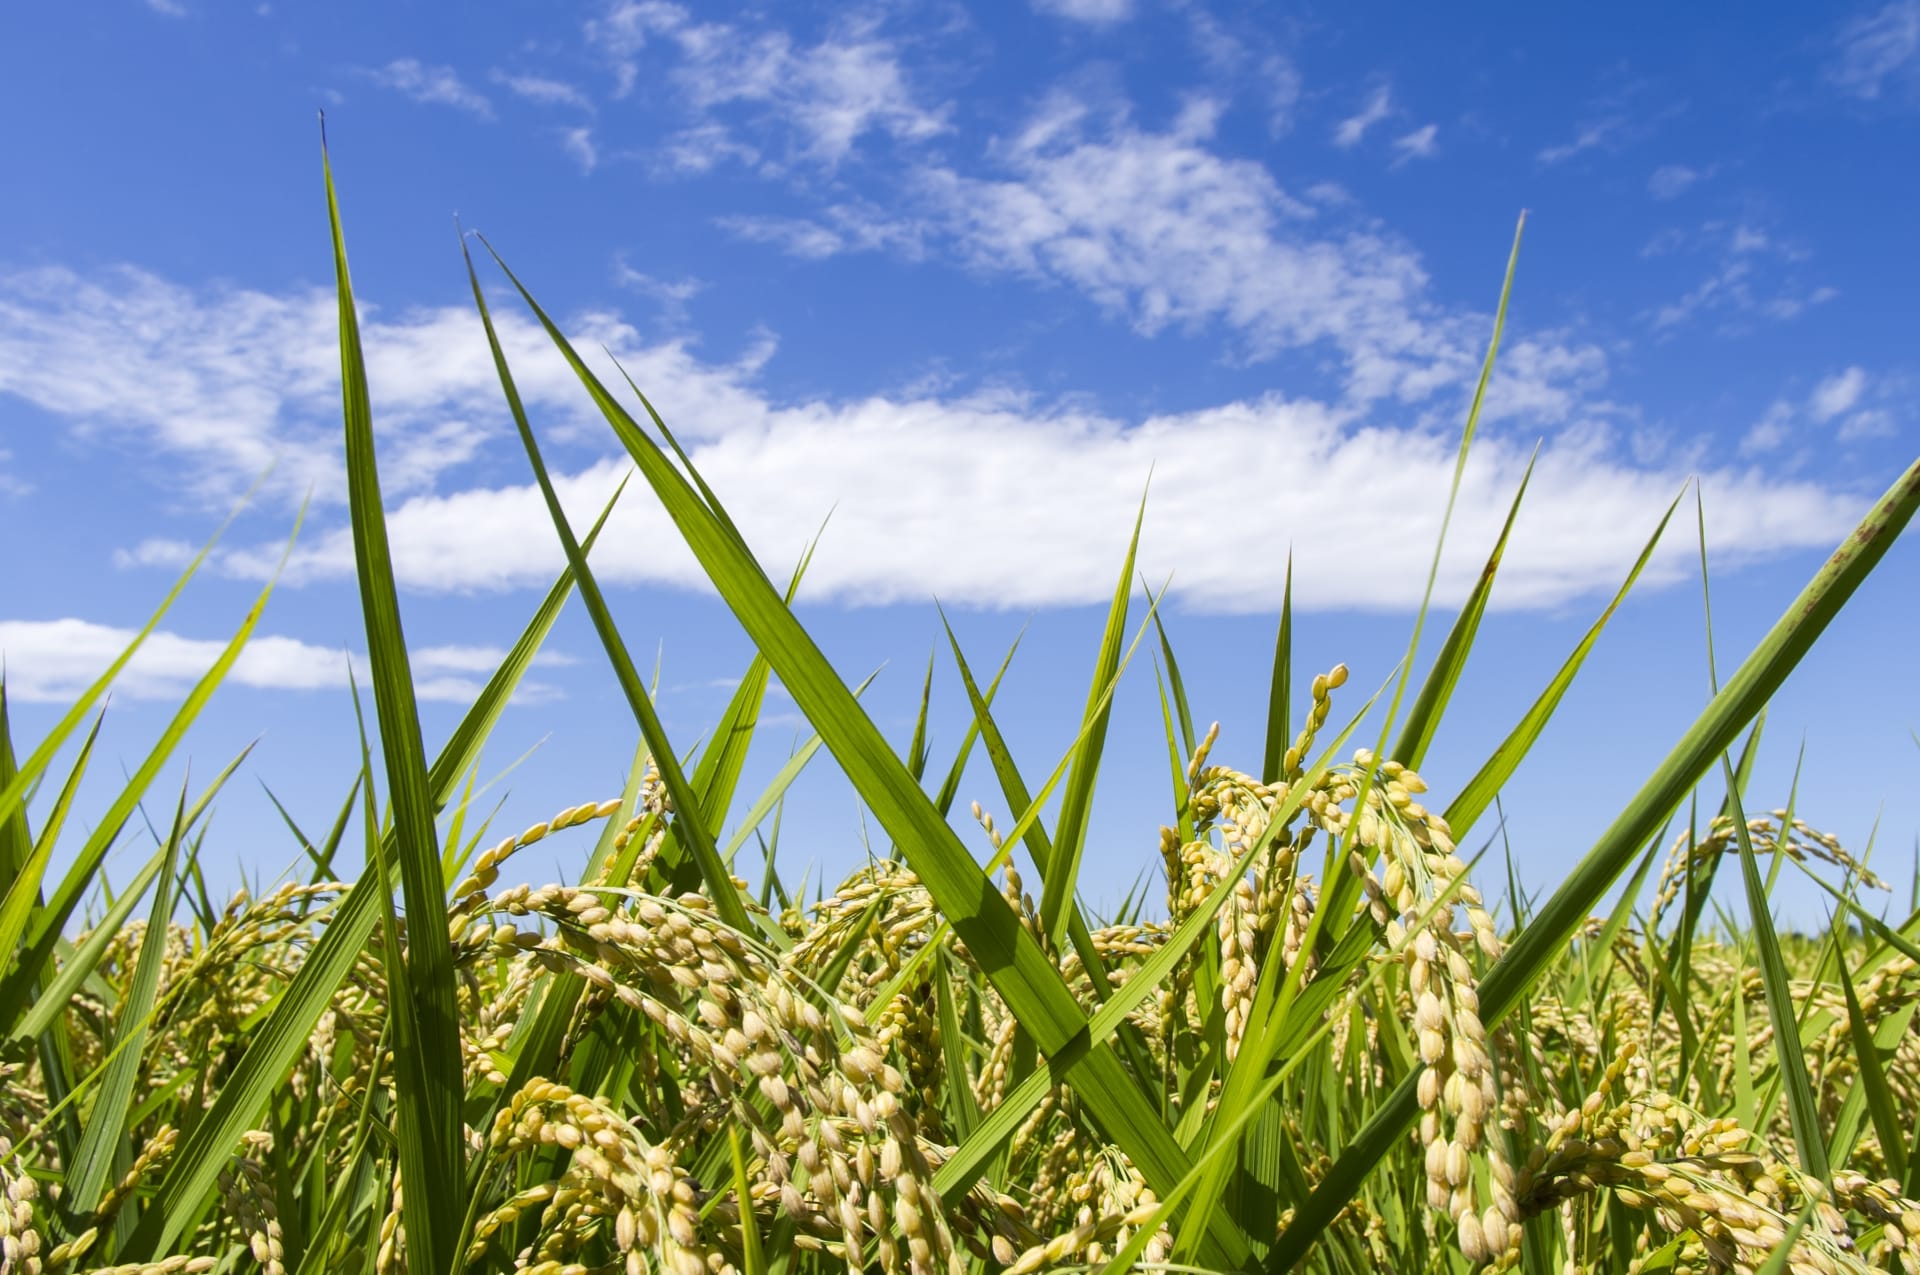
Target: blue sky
964, 277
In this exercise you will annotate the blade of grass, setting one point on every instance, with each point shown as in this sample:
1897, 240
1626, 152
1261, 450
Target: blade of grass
753, 1260
429, 1119
106, 1126
1873, 1083
1280, 688
404, 1020
690, 828
1062, 877
1019, 968
1473, 799
1802, 1109
23, 895
1174, 682
16, 840
917, 745
1423, 719
950, 786
1446, 520
776, 789
717, 776
1019, 798
963, 1112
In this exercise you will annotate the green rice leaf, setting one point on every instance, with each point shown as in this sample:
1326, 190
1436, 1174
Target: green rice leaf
1062, 877
950, 786
1479, 791
753, 1260
690, 828
1802, 1109
1018, 967
106, 1126
1423, 719
1280, 688
1873, 1081
23, 892
429, 1118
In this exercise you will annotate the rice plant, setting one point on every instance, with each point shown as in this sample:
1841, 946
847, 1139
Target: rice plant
1319, 1042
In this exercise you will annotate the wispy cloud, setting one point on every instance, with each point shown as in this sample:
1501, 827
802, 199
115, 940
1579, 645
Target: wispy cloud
840, 228
1877, 51
1096, 12
1670, 181
540, 89
1837, 394
821, 99
1591, 136
54, 660
1754, 276
1165, 231
216, 387
672, 294
1421, 143
11, 484
1350, 131
1855, 405
919, 479
437, 85
169, 8
580, 145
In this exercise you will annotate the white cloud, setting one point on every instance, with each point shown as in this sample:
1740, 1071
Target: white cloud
546, 92
822, 98
1098, 12
704, 147
1754, 275
580, 145
169, 8
672, 294
842, 228
1379, 105
1162, 229
1875, 422
54, 660
1670, 181
1282, 86
439, 85
933, 489
1771, 431
923, 507
1877, 48
1419, 144
924, 486
213, 387
1589, 137
1837, 394
10, 483
1842, 395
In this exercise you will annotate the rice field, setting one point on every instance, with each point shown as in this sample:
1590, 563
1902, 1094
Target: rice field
1330, 1035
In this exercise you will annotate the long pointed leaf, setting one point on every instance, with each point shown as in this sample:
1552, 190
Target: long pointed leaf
1016, 964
